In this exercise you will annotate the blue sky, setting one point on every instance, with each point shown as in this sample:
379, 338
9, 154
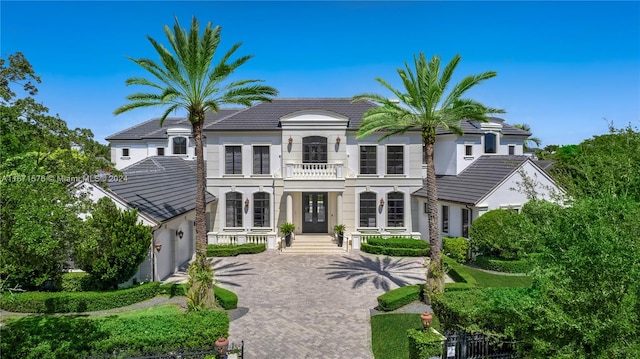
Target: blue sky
562, 66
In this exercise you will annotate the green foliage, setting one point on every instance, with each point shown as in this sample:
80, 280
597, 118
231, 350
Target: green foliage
76, 302
200, 295
339, 228
395, 252
504, 234
399, 297
398, 242
460, 274
468, 278
424, 344
124, 335
389, 334
226, 298
287, 228
507, 266
77, 282
230, 250
119, 245
456, 248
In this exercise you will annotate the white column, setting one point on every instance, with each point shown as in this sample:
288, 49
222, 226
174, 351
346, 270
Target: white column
339, 210
289, 208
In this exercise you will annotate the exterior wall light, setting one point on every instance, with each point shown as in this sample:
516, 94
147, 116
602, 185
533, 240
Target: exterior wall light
381, 202
246, 202
179, 233
290, 140
338, 139
158, 247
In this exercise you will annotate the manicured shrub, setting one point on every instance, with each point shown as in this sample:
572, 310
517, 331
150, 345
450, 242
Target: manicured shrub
424, 344
400, 242
173, 289
77, 282
457, 272
507, 266
504, 234
399, 297
225, 298
396, 252
456, 248
77, 302
231, 250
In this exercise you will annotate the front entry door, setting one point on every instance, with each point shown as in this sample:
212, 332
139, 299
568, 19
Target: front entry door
314, 217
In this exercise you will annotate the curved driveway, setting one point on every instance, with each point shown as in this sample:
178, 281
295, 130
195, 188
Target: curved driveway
309, 306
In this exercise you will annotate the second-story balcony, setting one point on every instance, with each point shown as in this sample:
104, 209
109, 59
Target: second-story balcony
314, 171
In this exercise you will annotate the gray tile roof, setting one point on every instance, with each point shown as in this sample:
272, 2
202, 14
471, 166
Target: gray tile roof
160, 187
266, 115
477, 180
151, 129
473, 128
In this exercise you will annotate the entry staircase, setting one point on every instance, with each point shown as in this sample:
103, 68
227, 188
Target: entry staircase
314, 244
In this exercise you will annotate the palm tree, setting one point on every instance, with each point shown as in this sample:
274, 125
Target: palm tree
422, 106
534, 140
187, 78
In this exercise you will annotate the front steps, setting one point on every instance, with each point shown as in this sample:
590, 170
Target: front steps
314, 244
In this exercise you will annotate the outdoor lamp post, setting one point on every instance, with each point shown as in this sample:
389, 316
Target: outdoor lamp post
426, 319
222, 346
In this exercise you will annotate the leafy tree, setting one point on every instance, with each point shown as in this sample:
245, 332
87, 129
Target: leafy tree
504, 234
187, 78
534, 140
423, 106
117, 246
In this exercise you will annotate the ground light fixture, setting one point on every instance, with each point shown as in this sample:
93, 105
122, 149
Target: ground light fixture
426, 319
222, 346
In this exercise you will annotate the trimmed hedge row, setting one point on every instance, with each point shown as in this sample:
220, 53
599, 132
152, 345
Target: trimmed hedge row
231, 250
76, 302
400, 242
457, 272
225, 298
424, 344
485, 310
502, 265
400, 297
77, 282
395, 252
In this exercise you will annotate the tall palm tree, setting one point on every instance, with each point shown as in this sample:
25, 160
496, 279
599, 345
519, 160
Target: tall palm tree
187, 78
423, 106
534, 140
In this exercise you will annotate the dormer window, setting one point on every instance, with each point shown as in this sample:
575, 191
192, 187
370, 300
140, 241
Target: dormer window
179, 145
490, 143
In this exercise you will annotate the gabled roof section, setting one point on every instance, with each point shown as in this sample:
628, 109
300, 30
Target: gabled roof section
152, 130
160, 187
267, 115
477, 180
473, 128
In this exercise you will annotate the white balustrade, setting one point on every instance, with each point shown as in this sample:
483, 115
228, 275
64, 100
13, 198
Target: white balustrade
314, 170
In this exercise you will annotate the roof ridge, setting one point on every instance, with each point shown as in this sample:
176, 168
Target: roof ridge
128, 128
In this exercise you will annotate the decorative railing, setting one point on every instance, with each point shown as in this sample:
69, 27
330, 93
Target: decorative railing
361, 237
314, 171
235, 238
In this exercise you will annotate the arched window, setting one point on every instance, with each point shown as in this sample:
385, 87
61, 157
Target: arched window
490, 143
314, 149
395, 209
368, 209
261, 210
234, 209
179, 145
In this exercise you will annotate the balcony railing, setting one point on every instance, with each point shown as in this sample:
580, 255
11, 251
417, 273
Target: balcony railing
314, 171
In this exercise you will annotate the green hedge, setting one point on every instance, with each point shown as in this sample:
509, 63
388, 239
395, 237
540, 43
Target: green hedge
76, 302
485, 310
399, 297
424, 344
463, 280
400, 242
502, 265
395, 252
77, 282
230, 250
457, 248
131, 334
225, 298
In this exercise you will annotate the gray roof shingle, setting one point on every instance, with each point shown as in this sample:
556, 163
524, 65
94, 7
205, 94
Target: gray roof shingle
477, 180
160, 187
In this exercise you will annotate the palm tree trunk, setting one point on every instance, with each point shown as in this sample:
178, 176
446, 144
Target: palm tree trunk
435, 275
201, 228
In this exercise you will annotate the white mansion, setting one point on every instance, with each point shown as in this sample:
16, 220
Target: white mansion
298, 161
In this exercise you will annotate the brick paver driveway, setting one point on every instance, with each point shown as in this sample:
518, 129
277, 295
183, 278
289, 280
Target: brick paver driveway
309, 306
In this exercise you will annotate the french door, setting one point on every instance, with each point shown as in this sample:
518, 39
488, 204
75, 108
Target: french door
314, 217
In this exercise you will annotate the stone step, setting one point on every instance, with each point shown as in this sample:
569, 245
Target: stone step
314, 244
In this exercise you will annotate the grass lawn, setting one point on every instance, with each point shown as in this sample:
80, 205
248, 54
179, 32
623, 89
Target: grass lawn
485, 279
389, 334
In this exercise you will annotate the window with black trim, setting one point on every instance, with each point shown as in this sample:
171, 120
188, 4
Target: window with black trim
233, 160
314, 149
445, 219
512, 149
368, 160
368, 209
125, 152
490, 143
261, 160
468, 150
395, 160
261, 210
160, 151
179, 145
395, 209
234, 209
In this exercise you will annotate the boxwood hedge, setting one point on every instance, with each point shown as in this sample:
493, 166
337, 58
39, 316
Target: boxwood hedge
230, 250
502, 265
399, 242
395, 252
76, 302
399, 297
463, 280
424, 344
